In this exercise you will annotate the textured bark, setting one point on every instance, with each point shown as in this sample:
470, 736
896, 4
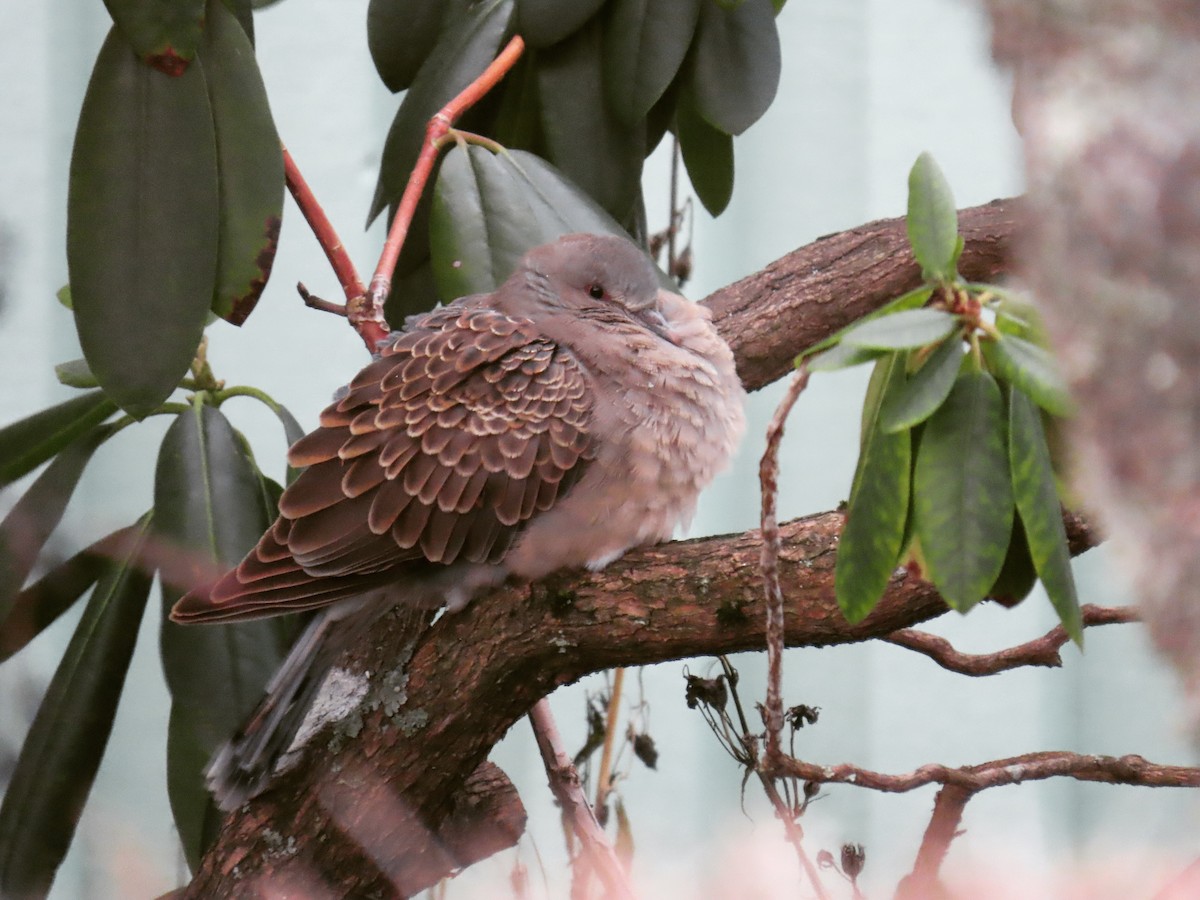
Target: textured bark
1103, 94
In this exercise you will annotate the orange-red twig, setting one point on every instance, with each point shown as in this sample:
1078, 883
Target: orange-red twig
438, 126
369, 330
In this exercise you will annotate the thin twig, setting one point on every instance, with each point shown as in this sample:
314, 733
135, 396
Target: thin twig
564, 782
768, 473
604, 781
947, 815
439, 125
335, 252
1041, 651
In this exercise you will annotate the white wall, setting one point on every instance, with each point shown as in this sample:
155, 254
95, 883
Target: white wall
867, 85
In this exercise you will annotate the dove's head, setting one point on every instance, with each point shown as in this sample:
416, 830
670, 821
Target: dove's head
589, 277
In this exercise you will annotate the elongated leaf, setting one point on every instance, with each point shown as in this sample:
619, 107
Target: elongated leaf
62, 751
39, 605
708, 156
645, 42
873, 536
243, 11
1016, 315
914, 299
518, 122
400, 34
840, 356
249, 166
490, 209
28, 525
1037, 502
735, 64
142, 217
963, 498
903, 330
925, 390
29, 442
932, 219
164, 33
1031, 369
76, 374
468, 43
546, 22
1017, 576
584, 139
209, 509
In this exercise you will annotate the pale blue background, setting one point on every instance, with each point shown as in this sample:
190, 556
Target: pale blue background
867, 85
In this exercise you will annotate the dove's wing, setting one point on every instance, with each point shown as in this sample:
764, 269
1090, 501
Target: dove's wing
442, 449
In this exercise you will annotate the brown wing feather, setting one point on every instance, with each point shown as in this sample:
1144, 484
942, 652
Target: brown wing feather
440, 450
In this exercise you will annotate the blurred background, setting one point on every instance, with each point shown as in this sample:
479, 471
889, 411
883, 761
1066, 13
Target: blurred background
867, 85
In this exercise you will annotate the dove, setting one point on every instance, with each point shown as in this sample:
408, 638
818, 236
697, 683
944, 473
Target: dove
573, 414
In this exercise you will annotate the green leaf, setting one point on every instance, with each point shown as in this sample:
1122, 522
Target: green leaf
76, 374
489, 209
518, 123
142, 215
209, 508
1015, 315
468, 43
873, 536
243, 11
913, 299
932, 219
39, 605
400, 35
1031, 369
249, 167
963, 498
62, 751
1037, 503
645, 42
925, 390
1017, 576
735, 64
63, 295
903, 330
545, 22
164, 33
708, 157
584, 139
840, 356
29, 442
33, 518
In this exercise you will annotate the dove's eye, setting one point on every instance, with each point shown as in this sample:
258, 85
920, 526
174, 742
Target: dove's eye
596, 291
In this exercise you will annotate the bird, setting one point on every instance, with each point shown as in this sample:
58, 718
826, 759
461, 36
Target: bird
569, 416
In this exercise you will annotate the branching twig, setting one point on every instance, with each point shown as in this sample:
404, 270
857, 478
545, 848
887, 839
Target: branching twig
1041, 651
564, 782
439, 125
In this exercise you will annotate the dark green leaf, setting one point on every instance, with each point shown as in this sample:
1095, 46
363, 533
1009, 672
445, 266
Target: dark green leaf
545, 22
903, 330
209, 509
707, 155
1037, 503
76, 374
489, 210
196, 815
925, 389
911, 300
518, 122
871, 541
645, 42
243, 11
1031, 369
40, 604
28, 525
29, 442
142, 214
164, 33
249, 166
1017, 576
412, 293
467, 45
735, 64
887, 369
932, 219
62, 751
963, 499
400, 34
584, 139
840, 356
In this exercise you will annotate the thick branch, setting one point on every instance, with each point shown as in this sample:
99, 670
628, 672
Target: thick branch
404, 755
772, 315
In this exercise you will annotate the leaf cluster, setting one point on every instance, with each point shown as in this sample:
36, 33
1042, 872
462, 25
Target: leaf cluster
955, 477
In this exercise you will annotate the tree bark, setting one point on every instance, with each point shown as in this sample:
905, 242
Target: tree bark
396, 793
